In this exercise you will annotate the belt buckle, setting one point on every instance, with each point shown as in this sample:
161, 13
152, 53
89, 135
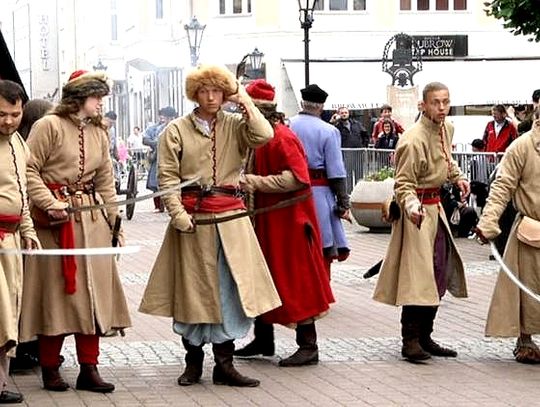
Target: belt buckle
64, 191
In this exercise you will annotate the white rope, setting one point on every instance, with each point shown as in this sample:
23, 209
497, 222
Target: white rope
91, 251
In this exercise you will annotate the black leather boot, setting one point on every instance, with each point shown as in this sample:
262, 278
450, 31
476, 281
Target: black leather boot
194, 364
308, 351
89, 379
262, 343
410, 332
52, 379
11, 397
428, 344
224, 372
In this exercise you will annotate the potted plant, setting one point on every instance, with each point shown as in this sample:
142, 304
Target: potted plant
368, 196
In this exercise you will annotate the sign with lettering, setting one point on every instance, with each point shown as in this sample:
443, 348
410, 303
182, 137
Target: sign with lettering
442, 46
44, 42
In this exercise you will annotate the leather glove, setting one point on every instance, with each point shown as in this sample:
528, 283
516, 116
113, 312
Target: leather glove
338, 187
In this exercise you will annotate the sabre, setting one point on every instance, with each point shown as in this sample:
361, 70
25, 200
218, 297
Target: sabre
128, 201
509, 273
91, 251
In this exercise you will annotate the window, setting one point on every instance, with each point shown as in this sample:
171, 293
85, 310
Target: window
114, 27
114, 21
234, 7
159, 9
340, 5
434, 5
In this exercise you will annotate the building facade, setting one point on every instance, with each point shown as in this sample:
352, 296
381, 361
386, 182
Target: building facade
144, 47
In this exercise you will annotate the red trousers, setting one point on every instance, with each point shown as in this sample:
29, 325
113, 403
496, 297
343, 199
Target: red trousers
50, 346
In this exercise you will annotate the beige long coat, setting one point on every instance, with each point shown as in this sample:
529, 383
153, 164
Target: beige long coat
184, 281
512, 311
99, 304
407, 274
13, 201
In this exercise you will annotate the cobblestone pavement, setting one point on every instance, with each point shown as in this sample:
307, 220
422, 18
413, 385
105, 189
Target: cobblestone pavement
359, 342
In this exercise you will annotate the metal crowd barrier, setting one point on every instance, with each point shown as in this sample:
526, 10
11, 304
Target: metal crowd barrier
360, 163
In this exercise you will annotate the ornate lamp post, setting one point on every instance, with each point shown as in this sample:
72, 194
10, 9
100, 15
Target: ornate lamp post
255, 58
194, 33
99, 66
306, 7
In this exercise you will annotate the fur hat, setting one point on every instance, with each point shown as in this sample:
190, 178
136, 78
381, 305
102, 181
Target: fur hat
82, 84
261, 92
210, 75
312, 93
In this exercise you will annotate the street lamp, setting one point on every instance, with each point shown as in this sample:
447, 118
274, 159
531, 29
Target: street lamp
255, 62
194, 33
100, 66
306, 7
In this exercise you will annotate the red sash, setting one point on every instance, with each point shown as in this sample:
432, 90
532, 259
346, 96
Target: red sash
211, 203
67, 241
8, 220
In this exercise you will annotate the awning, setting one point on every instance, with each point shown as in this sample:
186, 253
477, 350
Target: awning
362, 85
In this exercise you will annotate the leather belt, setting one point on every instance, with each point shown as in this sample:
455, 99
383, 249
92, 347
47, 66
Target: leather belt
9, 227
207, 190
319, 173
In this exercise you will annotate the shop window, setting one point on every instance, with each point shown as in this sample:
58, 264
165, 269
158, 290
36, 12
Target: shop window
433, 5
340, 5
234, 7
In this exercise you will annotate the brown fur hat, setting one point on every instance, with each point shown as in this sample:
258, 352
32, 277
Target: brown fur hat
83, 84
210, 75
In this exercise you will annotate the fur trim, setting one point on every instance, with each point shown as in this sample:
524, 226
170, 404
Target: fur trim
85, 85
210, 75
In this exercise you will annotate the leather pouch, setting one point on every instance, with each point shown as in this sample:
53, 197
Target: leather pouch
528, 232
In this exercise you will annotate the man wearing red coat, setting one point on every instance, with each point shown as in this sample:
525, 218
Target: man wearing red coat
280, 173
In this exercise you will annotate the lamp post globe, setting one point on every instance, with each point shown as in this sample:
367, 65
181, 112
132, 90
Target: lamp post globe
99, 66
306, 7
194, 32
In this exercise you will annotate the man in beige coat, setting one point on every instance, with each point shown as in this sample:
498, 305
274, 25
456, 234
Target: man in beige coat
16, 228
513, 313
70, 166
422, 261
211, 279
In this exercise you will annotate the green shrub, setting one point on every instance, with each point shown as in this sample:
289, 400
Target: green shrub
382, 174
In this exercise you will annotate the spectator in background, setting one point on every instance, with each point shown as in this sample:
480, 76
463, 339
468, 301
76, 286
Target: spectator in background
33, 110
386, 114
499, 132
151, 139
123, 155
388, 138
523, 125
420, 107
109, 119
462, 224
353, 133
135, 139
480, 170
